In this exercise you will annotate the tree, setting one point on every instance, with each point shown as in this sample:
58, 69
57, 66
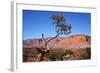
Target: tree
61, 29
61, 26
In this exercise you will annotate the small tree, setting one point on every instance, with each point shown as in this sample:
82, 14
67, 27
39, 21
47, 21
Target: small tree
61, 29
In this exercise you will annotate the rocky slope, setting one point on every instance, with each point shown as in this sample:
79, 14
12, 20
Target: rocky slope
71, 42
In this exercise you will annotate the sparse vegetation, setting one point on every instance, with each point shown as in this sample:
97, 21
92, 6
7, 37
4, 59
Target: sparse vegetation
56, 55
53, 55
32, 55
86, 54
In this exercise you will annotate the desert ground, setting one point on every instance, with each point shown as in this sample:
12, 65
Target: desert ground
74, 47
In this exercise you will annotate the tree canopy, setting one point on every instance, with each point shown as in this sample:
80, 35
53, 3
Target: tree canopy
60, 25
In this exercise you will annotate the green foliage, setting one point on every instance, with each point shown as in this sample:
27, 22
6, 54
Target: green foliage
56, 55
61, 27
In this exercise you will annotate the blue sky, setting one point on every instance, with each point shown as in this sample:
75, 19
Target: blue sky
37, 22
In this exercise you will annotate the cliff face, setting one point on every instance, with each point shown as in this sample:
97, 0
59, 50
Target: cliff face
72, 42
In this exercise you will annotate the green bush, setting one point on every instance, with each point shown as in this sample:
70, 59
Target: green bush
56, 55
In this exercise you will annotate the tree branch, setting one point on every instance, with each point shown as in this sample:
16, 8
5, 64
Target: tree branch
52, 38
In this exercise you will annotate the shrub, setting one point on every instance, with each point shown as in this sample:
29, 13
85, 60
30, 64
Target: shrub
56, 55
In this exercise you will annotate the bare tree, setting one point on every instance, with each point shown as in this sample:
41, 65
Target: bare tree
61, 28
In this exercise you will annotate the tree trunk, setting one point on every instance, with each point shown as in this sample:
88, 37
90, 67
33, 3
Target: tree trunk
44, 46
